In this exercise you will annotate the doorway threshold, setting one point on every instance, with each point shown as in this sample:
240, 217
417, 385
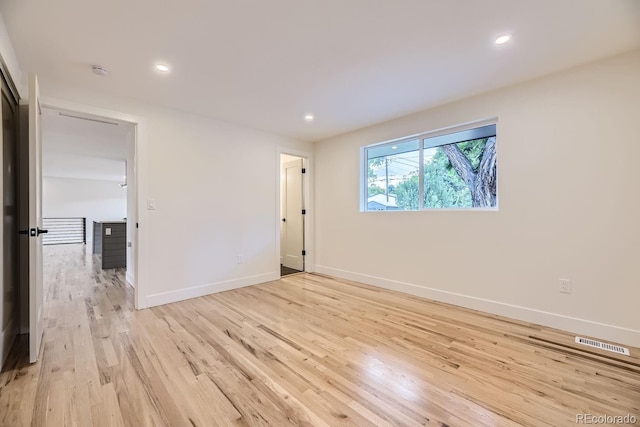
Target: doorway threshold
285, 271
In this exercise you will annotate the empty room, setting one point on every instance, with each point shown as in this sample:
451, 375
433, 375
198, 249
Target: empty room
330, 213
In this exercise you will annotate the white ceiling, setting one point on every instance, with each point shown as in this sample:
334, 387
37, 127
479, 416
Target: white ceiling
83, 149
352, 63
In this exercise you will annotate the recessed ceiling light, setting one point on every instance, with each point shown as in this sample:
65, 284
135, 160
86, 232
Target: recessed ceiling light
503, 39
308, 117
395, 147
163, 68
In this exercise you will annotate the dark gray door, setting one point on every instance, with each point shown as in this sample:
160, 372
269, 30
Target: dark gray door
10, 279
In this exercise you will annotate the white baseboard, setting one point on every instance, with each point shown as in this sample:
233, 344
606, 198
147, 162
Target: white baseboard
130, 279
602, 331
6, 340
212, 288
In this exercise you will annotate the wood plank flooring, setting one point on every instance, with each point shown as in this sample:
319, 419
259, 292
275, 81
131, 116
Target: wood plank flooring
305, 350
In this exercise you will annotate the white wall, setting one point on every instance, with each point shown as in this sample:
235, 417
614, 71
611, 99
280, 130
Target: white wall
93, 199
568, 176
9, 57
216, 195
215, 189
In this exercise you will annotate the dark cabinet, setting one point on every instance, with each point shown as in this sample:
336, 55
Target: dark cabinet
110, 242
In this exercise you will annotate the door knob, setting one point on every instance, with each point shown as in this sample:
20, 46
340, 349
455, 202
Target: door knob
39, 231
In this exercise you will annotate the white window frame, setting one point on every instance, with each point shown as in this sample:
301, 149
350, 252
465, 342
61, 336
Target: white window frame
364, 167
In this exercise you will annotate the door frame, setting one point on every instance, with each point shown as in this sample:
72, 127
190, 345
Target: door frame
307, 200
140, 239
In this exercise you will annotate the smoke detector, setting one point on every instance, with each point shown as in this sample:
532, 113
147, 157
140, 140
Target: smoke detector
99, 70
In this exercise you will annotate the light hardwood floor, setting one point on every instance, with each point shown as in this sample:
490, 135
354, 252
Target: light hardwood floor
306, 350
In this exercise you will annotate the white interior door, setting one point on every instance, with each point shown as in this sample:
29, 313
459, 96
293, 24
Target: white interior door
36, 293
292, 218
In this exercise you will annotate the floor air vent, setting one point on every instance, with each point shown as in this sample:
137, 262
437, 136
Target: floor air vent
603, 346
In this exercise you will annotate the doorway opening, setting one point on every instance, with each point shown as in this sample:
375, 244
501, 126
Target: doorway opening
88, 198
293, 211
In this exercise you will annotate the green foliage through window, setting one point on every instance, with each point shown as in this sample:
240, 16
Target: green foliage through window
460, 174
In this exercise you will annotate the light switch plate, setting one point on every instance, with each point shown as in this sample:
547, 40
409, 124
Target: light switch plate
151, 204
107, 231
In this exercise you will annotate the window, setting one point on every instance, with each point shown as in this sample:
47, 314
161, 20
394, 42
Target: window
453, 170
